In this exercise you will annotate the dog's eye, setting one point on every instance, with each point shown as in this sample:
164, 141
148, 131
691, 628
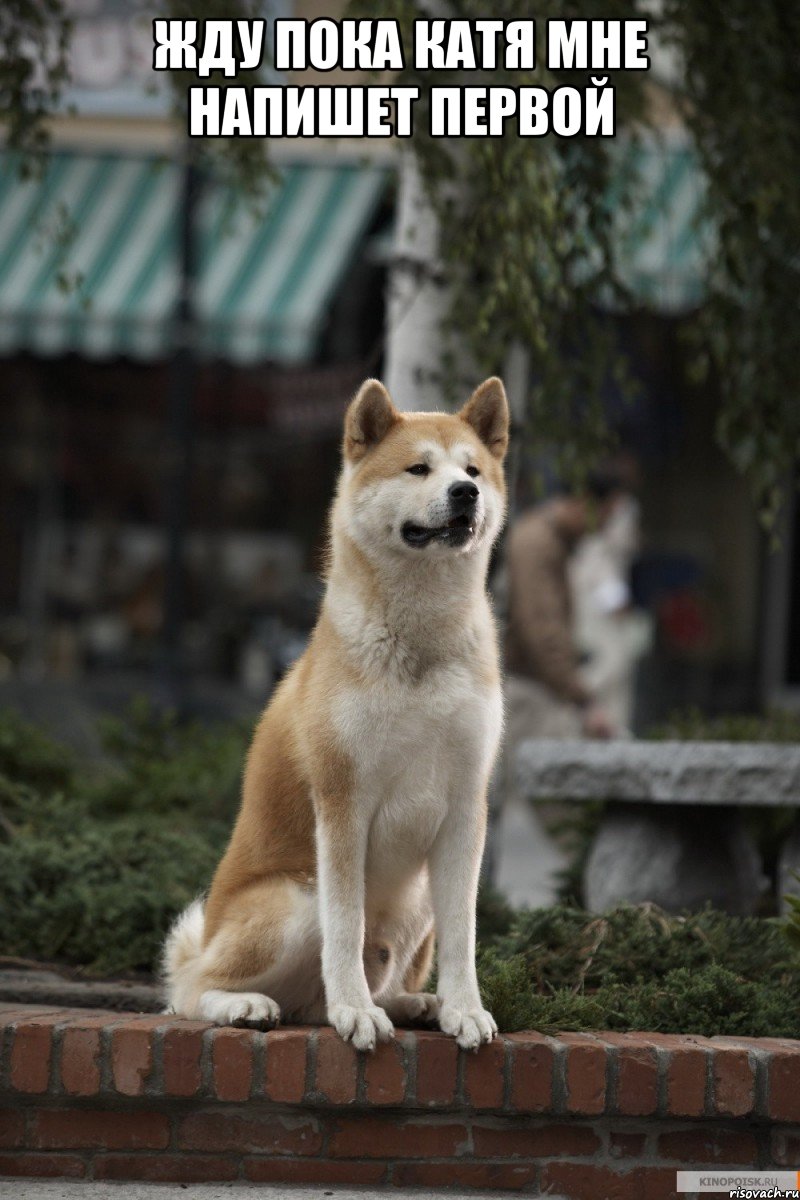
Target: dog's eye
419, 469
472, 471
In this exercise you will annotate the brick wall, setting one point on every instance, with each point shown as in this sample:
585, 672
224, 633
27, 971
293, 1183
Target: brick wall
104, 1095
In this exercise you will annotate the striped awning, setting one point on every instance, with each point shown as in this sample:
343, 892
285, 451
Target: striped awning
662, 243
89, 257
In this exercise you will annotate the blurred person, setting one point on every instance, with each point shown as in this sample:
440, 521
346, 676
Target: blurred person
547, 695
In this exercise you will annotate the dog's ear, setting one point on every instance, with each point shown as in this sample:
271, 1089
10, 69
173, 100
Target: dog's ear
369, 418
487, 412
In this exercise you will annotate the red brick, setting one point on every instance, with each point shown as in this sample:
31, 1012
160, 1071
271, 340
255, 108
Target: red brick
673, 1041
637, 1074
506, 1176
81, 1057
313, 1170
584, 1182
91, 1018
50, 1166
31, 1054
723, 1042
286, 1065
709, 1146
385, 1073
585, 1075
132, 1058
12, 1128
337, 1068
437, 1064
376, 1137
658, 1183
626, 1145
232, 1063
484, 1075
631, 1037
784, 1085
531, 1073
687, 1072
166, 1168
687, 1059
534, 1141
98, 1018
144, 1020
267, 1132
785, 1148
68, 1129
580, 1181
11, 1012
771, 1044
734, 1083
182, 1049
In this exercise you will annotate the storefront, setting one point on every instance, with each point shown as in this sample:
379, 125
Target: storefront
285, 313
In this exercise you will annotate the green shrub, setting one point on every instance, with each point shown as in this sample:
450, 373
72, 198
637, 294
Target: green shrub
792, 923
567, 947
100, 895
160, 765
710, 1002
30, 756
637, 968
692, 725
95, 863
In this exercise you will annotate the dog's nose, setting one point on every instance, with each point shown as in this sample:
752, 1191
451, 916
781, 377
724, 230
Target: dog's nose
462, 494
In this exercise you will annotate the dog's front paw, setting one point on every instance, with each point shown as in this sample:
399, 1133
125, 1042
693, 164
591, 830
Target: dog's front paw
468, 1025
361, 1026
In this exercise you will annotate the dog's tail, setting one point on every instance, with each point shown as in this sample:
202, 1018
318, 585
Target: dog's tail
180, 959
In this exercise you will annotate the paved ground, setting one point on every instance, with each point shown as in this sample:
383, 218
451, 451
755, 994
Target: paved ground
24, 1189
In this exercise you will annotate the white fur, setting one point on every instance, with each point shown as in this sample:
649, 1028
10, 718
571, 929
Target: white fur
239, 1008
184, 943
293, 979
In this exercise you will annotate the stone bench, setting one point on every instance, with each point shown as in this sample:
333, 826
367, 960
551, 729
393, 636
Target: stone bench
672, 832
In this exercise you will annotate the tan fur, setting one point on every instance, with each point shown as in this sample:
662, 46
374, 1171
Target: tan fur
304, 771
418, 973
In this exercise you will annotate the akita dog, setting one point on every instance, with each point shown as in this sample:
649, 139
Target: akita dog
364, 799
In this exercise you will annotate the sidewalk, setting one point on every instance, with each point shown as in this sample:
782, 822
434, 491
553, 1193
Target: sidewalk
27, 1189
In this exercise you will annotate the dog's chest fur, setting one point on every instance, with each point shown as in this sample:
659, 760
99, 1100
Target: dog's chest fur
416, 738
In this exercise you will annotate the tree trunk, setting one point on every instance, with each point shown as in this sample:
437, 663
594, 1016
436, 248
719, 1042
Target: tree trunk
418, 299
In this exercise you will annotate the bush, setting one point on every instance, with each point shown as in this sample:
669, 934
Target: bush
691, 725
95, 863
30, 756
160, 766
100, 895
637, 968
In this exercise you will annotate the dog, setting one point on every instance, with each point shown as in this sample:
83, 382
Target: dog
363, 812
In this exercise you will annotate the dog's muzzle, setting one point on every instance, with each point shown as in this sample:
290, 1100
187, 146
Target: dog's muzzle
462, 498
